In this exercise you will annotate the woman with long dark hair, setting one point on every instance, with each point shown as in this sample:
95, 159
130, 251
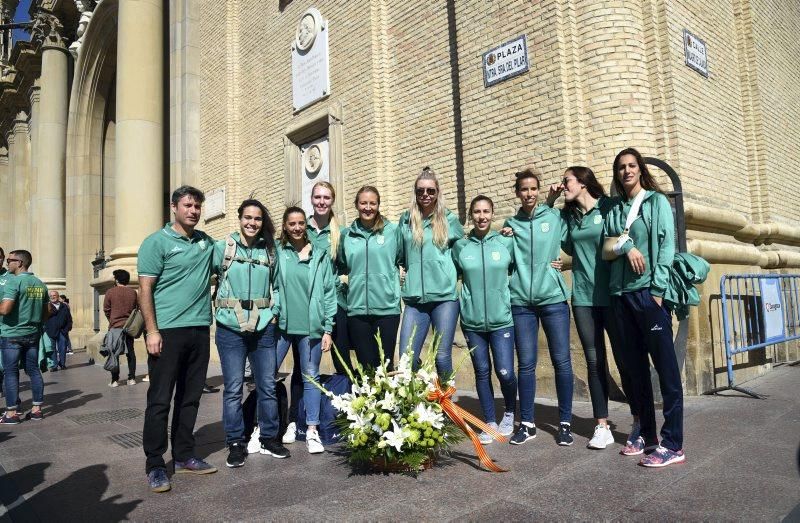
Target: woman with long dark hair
306, 310
369, 253
429, 230
585, 210
638, 280
245, 265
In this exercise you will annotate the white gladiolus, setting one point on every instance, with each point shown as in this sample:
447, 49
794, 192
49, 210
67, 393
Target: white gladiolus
396, 437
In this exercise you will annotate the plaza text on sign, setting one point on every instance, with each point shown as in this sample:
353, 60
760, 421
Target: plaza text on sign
505, 61
695, 52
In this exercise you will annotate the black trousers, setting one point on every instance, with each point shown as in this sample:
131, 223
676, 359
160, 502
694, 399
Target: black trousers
181, 368
645, 328
363, 329
131, 356
590, 322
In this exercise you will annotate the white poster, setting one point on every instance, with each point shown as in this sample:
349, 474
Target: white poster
772, 309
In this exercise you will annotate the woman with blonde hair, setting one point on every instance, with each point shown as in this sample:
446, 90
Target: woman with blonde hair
369, 253
428, 231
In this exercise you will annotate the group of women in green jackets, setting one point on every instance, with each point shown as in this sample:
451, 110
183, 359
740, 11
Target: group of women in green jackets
343, 286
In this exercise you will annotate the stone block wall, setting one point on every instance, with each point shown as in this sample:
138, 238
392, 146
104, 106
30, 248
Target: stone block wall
407, 83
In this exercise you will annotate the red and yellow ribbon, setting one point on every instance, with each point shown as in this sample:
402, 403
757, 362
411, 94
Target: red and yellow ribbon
462, 418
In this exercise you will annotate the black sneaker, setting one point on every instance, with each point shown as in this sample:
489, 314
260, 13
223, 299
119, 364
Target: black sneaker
565, 435
237, 453
274, 448
523, 434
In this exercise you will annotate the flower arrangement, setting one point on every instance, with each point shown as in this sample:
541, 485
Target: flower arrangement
388, 420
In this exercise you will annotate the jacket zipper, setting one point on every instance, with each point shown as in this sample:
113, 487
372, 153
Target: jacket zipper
366, 270
485, 303
530, 284
421, 268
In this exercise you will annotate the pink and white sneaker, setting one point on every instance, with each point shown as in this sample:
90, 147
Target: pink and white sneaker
662, 457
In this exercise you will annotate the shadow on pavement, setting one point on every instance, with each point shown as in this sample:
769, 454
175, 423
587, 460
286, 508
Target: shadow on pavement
5, 436
16, 484
60, 401
77, 497
209, 439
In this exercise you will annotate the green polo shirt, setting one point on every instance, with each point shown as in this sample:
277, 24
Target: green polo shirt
30, 297
4, 274
182, 268
297, 296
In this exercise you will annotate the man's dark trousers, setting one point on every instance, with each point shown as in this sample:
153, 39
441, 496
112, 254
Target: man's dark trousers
181, 368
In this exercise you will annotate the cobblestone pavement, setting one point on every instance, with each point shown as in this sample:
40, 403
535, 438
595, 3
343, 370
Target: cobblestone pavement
84, 463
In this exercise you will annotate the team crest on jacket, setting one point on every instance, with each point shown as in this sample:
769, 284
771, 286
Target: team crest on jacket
495, 256
545, 227
598, 220
202, 245
381, 240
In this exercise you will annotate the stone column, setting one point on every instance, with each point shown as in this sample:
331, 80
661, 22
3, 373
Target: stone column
33, 136
19, 144
139, 126
6, 201
51, 161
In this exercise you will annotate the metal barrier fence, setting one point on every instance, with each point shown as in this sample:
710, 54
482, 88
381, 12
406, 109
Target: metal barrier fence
758, 310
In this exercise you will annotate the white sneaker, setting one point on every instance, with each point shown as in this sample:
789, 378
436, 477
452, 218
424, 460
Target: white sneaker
602, 437
484, 437
506, 427
146, 378
254, 445
313, 442
291, 433
131, 382
113, 384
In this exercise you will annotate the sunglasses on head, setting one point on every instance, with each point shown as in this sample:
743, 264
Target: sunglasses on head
422, 191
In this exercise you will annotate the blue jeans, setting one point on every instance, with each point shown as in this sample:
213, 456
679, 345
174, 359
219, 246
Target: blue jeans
309, 352
60, 344
443, 315
12, 349
502, 345
555, 322
259, 348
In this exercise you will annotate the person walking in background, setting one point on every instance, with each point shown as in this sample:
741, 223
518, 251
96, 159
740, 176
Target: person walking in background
174, 266
484, 259
307, 307
57, 328
23, 310
369, 254
539, 294
245, 265
119, 303
65, 301
585, 210
429, 230
639, 278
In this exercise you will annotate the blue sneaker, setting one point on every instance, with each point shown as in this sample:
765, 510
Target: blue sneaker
194, 466
158, 480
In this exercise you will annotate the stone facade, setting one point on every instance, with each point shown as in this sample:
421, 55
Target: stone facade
407, 90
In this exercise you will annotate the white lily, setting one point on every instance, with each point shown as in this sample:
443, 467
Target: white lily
389, 402
426, 414
396, 437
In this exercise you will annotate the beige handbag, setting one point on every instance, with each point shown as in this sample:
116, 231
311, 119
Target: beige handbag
134, 325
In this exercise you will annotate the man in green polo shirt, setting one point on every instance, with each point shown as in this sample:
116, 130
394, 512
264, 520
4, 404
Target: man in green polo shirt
174, 268
23, 309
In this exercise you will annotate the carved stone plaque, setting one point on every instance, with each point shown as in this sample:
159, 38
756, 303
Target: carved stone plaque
314, 168
310, 71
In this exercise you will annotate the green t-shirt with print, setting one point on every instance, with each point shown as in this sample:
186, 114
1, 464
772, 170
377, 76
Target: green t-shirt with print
30, 297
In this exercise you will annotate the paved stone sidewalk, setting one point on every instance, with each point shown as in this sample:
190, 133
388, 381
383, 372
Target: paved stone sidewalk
84, 463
